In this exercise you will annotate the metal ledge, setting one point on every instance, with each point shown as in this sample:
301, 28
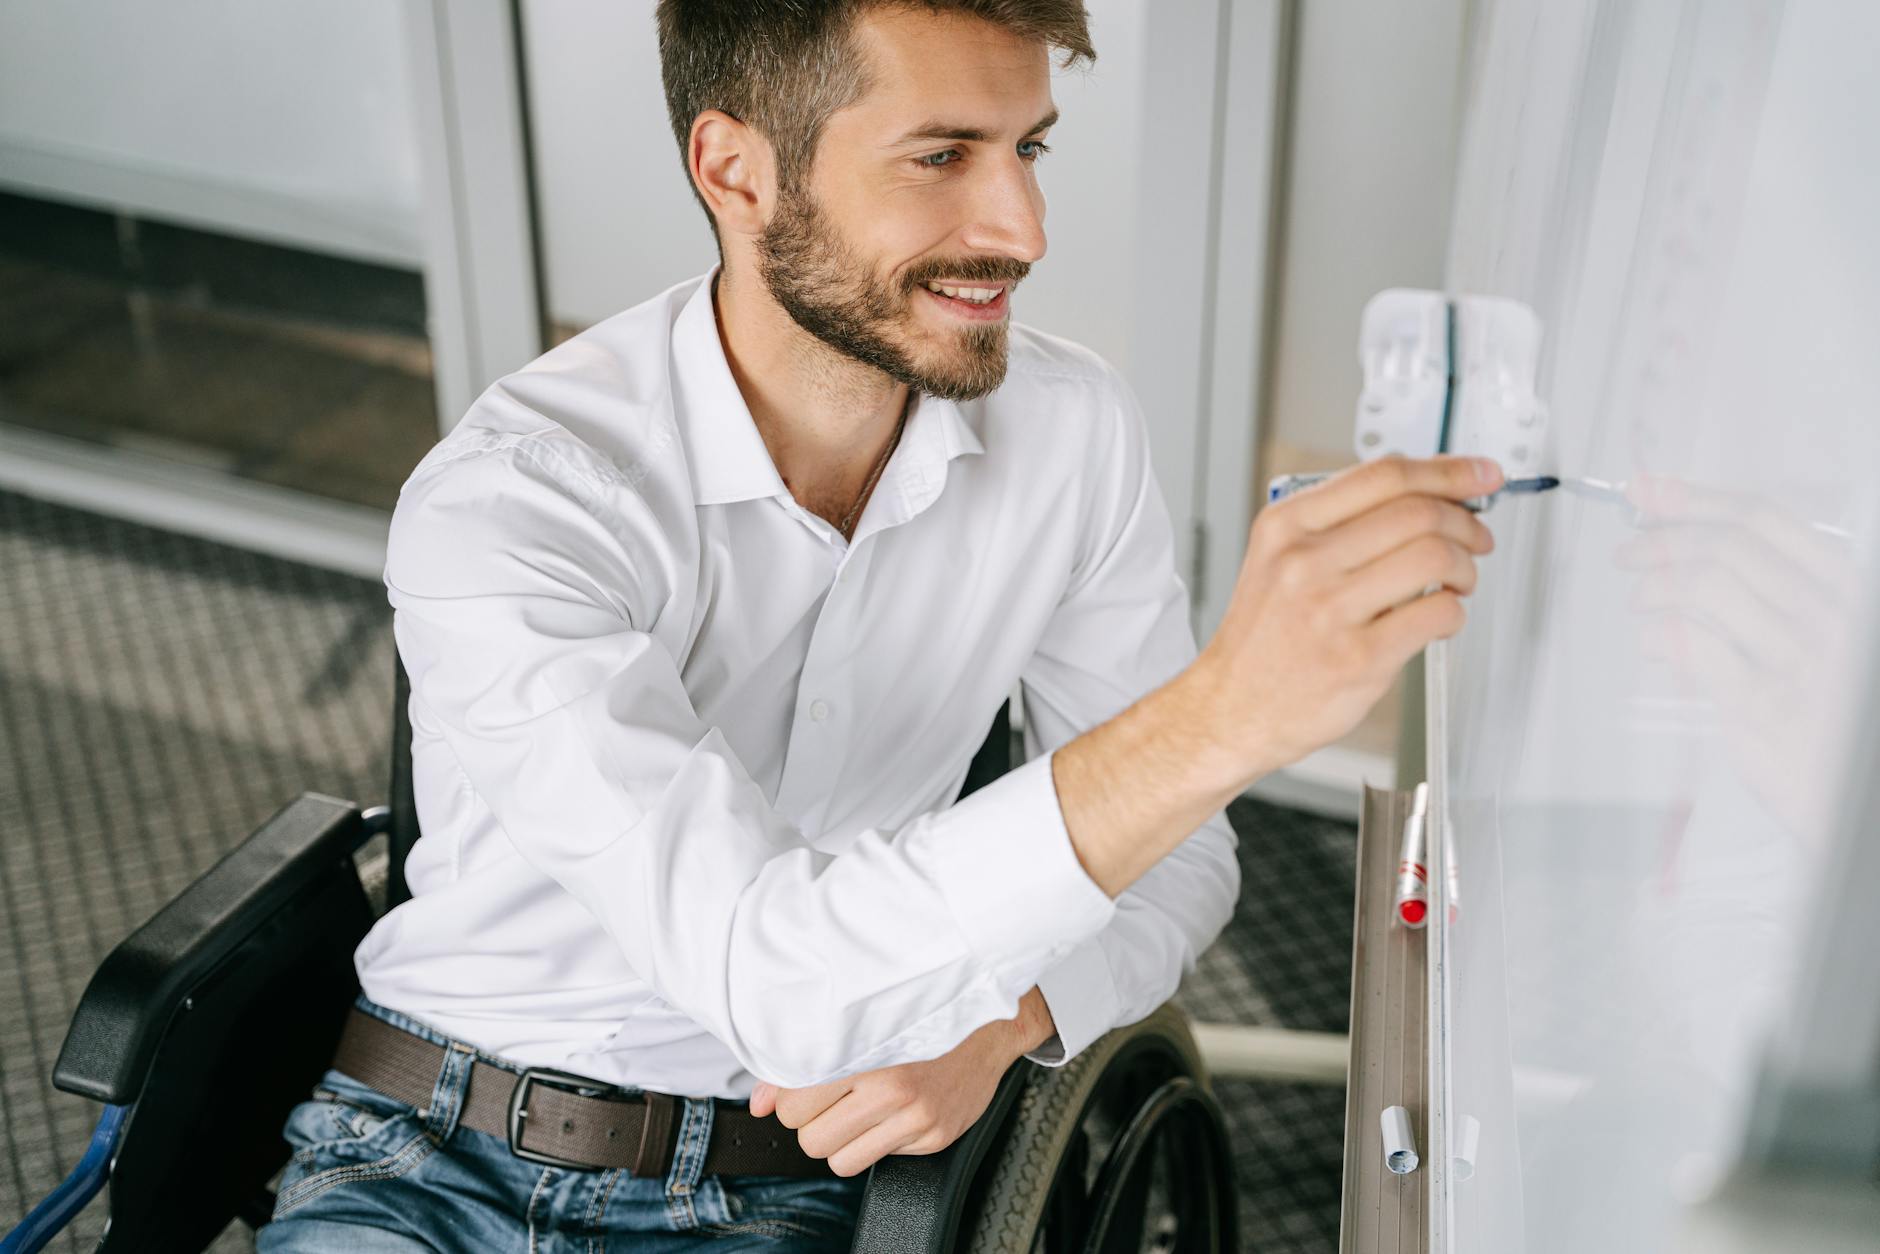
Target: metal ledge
193, 501
1384, 1213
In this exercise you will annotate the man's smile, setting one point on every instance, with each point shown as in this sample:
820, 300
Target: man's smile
971, 302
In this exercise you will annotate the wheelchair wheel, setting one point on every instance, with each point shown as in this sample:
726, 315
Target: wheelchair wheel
1121, 1150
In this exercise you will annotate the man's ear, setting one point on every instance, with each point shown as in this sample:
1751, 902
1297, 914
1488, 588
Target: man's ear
734, 171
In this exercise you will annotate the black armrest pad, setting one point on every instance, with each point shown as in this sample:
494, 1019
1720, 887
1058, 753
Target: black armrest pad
913, 1202
127, 1008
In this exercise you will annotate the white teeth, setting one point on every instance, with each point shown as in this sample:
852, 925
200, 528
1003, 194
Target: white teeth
976, 295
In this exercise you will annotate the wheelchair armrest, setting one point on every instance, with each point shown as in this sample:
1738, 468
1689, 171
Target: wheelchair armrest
914, 1202
145, 982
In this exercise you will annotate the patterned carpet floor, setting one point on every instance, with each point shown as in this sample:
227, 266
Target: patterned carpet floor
160, 696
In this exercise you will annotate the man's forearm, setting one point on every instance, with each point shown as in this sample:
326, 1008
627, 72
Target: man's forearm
1135, 787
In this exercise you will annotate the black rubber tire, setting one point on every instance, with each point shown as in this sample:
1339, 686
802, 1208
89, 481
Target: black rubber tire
1020, 1173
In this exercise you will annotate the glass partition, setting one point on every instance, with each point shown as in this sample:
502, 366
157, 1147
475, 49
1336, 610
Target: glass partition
218, 224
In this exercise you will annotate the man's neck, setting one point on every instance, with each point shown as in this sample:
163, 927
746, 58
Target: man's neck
825, 418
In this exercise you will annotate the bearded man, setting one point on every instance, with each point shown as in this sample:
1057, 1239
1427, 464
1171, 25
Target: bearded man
705, 613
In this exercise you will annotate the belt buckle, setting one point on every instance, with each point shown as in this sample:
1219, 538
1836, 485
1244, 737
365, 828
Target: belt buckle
548, 1077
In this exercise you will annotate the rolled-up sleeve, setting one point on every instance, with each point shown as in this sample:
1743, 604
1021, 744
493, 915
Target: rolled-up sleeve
1121, 631
522, 586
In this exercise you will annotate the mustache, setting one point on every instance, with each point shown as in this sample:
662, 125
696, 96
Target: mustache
969, 269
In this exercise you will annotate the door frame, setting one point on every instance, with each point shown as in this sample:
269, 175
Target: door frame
483, 283
1204, 277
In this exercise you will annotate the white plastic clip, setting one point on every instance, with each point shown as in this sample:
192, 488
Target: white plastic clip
1494, 408
1450, 375
1403, 346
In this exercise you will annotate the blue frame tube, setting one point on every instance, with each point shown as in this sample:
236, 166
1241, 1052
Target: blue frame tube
62, 1205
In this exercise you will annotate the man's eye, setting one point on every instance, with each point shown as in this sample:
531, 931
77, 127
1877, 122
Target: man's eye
934, 160
1038, 148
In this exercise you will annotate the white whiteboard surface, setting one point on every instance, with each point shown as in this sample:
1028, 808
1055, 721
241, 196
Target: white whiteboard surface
1640, 743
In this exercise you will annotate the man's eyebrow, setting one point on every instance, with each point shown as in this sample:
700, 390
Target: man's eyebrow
966, 134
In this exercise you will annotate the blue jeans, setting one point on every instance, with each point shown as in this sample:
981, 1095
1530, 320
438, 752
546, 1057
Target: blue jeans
372, 1175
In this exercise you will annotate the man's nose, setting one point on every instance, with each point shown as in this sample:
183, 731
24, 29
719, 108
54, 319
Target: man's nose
1009, 214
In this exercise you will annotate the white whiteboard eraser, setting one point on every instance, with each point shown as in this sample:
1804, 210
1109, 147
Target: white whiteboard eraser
1400, 1148
1403, 349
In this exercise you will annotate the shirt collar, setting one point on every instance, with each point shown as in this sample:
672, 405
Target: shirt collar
936, 433
723, 448
726, 454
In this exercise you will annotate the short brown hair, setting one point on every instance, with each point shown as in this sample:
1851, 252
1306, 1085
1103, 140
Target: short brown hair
783, 66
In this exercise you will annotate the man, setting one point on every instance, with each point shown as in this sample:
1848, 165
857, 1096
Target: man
705, 613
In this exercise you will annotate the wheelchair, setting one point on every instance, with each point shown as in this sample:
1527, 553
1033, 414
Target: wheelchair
1120, 1150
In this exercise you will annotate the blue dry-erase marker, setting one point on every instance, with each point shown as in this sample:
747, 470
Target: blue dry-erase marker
1285, 485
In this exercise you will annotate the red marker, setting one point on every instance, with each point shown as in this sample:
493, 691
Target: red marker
1413, 876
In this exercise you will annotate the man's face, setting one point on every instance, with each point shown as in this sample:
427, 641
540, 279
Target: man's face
928, 181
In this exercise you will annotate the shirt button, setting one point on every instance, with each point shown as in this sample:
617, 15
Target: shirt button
818, 710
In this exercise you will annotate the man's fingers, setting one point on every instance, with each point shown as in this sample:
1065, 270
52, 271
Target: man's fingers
1777, 639
1401, 634
1429, 561
763, 1099
1362, 488
1376, 532
797, 1107
1667, 501
837, 1126
1671, 552
872, 1146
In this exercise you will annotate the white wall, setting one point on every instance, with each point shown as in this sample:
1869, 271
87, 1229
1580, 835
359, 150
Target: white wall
1085, 287
620, 224
294, 122
617, 221
272, 118
1377, 107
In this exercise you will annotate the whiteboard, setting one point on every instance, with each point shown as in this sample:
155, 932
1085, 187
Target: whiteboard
1640, 742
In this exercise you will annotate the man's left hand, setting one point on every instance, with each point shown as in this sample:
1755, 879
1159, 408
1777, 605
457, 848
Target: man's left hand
915, 1108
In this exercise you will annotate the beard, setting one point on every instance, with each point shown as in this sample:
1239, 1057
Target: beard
833, 294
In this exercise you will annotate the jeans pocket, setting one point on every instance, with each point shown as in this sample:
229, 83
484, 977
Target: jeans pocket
346, 1133
789, 1206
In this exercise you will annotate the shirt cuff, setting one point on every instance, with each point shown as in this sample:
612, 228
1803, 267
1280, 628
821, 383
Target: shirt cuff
1081, 996
1003, 861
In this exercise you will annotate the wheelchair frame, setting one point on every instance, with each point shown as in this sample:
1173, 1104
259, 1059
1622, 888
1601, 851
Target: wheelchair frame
260, 947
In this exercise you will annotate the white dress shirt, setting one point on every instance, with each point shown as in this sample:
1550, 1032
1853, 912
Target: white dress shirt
686, 760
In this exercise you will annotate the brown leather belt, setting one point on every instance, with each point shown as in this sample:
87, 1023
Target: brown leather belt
565, 1120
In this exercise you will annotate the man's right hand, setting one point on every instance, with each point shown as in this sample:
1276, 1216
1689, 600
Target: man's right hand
1342, 584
